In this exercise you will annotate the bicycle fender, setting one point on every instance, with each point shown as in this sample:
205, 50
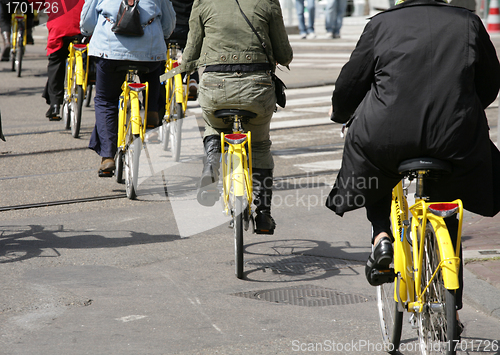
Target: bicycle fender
450, 262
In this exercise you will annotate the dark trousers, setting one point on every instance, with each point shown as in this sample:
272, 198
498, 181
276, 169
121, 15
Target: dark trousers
109, 80
379, 216
56, 70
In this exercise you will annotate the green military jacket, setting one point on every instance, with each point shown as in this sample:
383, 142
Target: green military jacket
218, 34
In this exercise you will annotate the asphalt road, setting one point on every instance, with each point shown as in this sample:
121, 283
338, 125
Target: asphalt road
94, 275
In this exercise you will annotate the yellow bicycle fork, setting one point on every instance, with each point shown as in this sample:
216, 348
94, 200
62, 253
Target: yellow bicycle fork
408, 260
240, 163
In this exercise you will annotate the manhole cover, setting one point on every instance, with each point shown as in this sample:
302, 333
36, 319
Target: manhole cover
306, 295
301, 264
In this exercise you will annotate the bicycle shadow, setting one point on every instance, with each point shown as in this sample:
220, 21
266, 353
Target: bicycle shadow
292, 260
18, 243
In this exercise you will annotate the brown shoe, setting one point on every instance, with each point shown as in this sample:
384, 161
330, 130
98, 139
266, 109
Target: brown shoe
107, 167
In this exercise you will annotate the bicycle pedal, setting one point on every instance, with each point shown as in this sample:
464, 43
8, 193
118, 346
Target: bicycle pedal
103, 173
208, 197
55, 118
382, 276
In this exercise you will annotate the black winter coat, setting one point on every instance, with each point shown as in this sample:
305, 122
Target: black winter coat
416, 85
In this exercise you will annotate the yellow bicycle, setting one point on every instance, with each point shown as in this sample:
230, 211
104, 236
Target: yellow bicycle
77, 68
131, 129
237, 178
425, 273
176, 104
18, 41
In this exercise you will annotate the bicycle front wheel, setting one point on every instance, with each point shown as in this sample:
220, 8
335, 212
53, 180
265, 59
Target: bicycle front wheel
238, 236
437, 321
391, 319
88, 95
132, 167
76, 117
165, 134
66, 114
175, 131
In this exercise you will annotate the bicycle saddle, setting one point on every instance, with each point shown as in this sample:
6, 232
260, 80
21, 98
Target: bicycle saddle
140, 69
233, 112
431, 164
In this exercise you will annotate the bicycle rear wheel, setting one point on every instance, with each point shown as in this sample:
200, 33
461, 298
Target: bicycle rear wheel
119, 166
391, 319
165, 134
88, 95
238, 236
66, 114
76, 117
19, 52
132, 156
437, 321
175, 131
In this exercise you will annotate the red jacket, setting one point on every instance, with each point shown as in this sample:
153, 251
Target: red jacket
64, 21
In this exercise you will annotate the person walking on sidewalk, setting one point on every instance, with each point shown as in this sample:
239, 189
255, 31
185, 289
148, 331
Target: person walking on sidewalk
417, 84
306, 31
334, 16
238, 75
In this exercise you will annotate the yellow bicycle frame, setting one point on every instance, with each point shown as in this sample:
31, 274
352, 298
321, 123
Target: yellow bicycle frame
136, 126
240, 162
409, 264
181, 95
16, 17
75, 59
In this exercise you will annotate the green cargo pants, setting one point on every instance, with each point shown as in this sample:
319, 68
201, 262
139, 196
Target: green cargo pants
251, 91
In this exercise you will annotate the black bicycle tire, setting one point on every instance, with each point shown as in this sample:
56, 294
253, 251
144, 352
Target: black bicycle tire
176, 132
238, 236
165, 135
88, 95
19, 53
119, 166
66, 114
133, 176
75, 126
391, 319
432, 295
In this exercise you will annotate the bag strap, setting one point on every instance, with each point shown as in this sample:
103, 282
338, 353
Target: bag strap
262, 43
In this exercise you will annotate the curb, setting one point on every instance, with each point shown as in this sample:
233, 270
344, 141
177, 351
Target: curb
480, 294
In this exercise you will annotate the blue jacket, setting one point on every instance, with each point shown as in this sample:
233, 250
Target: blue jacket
106, 44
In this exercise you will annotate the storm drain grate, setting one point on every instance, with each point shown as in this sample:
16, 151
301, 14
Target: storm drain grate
301, 264
306, 295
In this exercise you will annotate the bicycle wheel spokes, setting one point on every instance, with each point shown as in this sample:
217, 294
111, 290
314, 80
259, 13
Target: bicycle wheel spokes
438, 319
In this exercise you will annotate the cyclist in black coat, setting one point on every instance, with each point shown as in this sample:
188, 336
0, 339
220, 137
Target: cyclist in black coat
417, 85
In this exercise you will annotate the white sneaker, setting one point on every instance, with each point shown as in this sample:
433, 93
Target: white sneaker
303, 36
311, 35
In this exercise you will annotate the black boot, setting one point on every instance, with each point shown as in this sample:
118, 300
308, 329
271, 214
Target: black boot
6, 46
207, 191
263, 192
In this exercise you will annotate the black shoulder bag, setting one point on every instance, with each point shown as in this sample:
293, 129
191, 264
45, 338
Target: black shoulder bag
128, 20
279, 86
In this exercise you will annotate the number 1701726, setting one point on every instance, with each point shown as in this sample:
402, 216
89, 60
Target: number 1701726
40, 6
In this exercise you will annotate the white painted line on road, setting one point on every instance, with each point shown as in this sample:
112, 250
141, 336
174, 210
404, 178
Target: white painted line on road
130, 318
320, 166
300, 123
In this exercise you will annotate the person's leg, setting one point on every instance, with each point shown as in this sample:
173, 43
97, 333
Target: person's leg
5, 28
341, 7
155, 70
311, 10
329, 15
380, 258
107, 91
56, 69
299, 7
